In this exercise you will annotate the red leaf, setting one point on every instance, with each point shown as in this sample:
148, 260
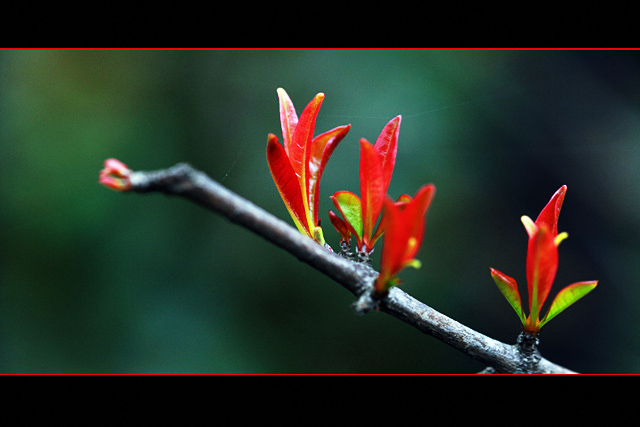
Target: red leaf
393, 245
509, 288
322, 147
402, 202
550, 213
403, 233
288, 118
542, 264
287, 184
300, 148
340, 226
387, 146
417, 212
372, 189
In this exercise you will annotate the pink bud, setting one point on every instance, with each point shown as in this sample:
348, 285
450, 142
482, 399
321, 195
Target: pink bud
115, 175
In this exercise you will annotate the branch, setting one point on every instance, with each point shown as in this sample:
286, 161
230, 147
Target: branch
184, 181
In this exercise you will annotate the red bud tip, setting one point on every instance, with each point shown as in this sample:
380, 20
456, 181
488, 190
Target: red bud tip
115, 175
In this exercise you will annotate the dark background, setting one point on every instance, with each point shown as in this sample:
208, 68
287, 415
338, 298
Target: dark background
93, 281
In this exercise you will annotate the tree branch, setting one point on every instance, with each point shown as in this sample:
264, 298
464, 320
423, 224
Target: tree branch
184, 181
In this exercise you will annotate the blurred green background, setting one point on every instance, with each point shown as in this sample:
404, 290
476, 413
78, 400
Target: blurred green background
93, 281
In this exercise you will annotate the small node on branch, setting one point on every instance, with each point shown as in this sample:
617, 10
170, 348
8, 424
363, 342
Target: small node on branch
345, 248
363, 255
528, 347
368, 301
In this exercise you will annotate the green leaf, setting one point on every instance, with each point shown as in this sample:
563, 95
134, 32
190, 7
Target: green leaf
566, 297
509, 289
350, 207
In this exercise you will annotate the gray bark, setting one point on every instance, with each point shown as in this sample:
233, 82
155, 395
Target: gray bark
184, 181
